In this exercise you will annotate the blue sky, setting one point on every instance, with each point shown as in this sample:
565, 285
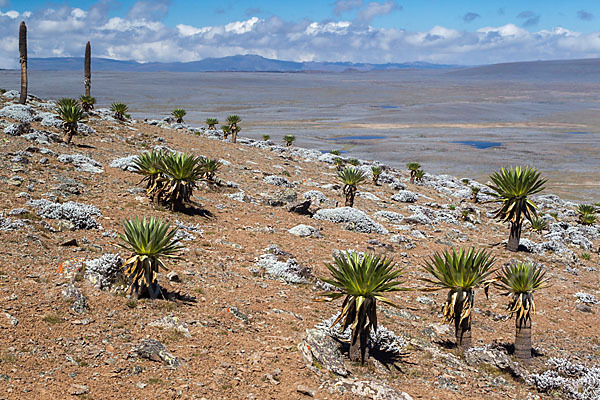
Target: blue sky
462, 32
412, 15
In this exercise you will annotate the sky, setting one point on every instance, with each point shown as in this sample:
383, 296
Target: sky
377, 31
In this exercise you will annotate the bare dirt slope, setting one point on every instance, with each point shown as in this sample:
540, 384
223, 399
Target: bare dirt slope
236, 328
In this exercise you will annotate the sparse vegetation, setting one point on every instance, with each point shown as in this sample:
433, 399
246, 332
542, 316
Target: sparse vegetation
179, 113
234, 127
351, 177
419, 174
585, 256
289, 140
353, 162
539, 224
179, 173
119, 110
209, 168
413, 167
87, 102
150, 242
461, 272
211, 122
521, 281
71, 114
362, 279
474, 192
339, 163
266, 137
335, 152
512, 188
587, 214
376, 170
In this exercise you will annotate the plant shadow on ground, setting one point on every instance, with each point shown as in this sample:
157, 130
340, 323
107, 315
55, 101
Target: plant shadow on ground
509, 348
446, 344
196, 211
388, 359
84, 146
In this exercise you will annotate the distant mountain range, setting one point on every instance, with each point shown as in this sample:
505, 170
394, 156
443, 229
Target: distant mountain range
240, 63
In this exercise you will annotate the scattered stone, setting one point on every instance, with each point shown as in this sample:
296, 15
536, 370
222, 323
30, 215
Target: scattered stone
495, 357
354, 220
8, 321
304, 231
305, 390
277, 181
80, 303
174, 323
302, 208
173, 277
82, 163
318, 348
425, 300
70, 242
370, 390
154, 350
124, 163
78, 390
586, 298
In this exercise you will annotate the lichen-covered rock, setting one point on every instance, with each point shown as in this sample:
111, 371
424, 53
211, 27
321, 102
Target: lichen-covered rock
103, 272
79, 303
124, 163
388, 216
42, 137
154, 350
367, 196
354, 219
19, 112
321, 349
82, 163
405, 196
277, 181
494, 357
586, 298
80, 215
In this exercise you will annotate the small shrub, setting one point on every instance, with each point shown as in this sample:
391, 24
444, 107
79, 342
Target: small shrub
120, 111
131, 303
289, 140
585, 256
266, 137
538, 224
335, 152
354, 162
179, 113
452, 207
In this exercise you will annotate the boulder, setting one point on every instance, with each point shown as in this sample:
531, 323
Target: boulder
154, 350
304, 231
81, 163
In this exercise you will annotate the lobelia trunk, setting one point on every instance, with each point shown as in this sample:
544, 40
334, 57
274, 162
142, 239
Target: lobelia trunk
234, 135
23, 61
514, 238
87, 75
462, 329
359, 348
523, 338
349, 191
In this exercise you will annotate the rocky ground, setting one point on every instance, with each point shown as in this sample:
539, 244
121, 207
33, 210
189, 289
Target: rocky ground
241, 322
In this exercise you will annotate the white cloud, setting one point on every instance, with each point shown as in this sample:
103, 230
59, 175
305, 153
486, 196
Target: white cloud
63, 31
374, 9
12, 14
